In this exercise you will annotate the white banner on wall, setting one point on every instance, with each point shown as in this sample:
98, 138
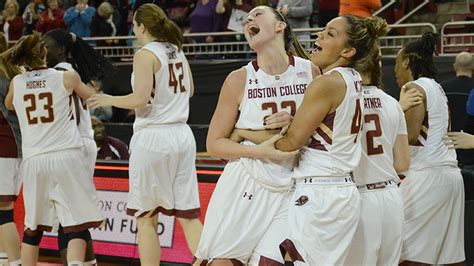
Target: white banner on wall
121, 228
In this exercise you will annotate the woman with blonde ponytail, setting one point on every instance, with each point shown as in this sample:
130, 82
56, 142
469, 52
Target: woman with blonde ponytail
385, 153
163, 150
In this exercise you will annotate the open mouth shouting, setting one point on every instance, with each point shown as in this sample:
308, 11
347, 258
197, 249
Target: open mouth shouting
253, 30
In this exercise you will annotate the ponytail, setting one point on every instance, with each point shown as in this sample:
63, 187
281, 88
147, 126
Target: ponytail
158, 25
7, 70
420, 55
29, 51
292, 44
84, 59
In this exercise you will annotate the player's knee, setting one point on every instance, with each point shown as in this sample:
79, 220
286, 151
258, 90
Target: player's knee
6, 217
33, 239
84, 235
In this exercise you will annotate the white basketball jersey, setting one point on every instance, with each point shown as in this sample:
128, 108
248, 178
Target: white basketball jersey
85, 123
430, 150
335, 147
45, 112
383, 121
267, 94
169, 100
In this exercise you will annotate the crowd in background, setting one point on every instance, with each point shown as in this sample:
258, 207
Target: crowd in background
92, 18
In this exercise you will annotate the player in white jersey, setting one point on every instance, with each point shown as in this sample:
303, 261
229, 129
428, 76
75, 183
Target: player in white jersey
385, 152
57, 188
163, 150
247, 211
66, 51
10, 158
325, 207
433, 190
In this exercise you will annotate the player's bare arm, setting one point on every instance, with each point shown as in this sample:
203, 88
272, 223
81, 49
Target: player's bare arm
323, 96
72, 82
401, 154
9, 98
255, 136
145, 64
415, 115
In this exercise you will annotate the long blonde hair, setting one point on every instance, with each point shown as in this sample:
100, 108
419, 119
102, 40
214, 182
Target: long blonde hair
7, 69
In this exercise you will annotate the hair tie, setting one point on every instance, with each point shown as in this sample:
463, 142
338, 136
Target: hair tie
73, 36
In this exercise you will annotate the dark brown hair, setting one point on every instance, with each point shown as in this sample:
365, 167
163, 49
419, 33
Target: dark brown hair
7, 70
29, 51
291, 42
363, 34
420, 55
158, 25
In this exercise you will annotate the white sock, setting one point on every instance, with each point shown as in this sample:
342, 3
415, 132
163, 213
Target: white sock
15, 263
91, 263
3, 259
75, 263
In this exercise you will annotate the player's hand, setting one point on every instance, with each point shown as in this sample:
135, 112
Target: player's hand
235, 136
278, 120
267, 150
459, 140
409, 98
100, 100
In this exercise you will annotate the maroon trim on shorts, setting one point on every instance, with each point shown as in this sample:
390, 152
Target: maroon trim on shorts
82, 227
8, 198
39, 227
287, 246
235, 262
264, 261
186, 214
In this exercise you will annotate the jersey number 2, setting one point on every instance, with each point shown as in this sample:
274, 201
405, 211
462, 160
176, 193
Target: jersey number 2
175, 82
48, 106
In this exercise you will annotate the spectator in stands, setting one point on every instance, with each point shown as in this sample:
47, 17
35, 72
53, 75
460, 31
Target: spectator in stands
79, 17
204, 18
12, 24
105, 23
457, 89
108, 148
298, 13
328, 9
52, 18
32, 14
359, 8
233, 12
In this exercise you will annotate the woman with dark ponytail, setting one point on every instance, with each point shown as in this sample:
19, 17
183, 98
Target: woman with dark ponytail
163, 150
324, 209
247, 216
66, 51
433, 190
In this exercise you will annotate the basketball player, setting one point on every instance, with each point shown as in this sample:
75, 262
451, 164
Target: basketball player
325, 207
90, 66
163, 150
433, 190
57, 187
385, 152
10, 158
248, 210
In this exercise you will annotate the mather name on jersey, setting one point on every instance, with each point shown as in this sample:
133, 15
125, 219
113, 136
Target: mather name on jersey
276, 91
36, 84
